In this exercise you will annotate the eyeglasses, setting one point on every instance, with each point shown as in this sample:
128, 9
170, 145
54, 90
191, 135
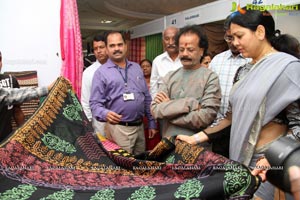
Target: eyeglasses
228, 38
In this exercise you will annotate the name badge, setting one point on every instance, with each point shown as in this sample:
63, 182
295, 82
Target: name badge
128, 96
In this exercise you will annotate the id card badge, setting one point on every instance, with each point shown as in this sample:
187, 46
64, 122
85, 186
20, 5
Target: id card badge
128, 96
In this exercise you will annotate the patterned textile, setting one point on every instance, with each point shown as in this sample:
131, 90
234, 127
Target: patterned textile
70, 44
26, 79
55, 156
137, 49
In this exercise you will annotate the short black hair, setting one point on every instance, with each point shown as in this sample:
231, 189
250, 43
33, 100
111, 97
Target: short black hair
113, 32
204, 55
147, 60
99, 38
203, 41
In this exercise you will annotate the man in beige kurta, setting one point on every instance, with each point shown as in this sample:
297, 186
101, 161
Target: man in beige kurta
189, 98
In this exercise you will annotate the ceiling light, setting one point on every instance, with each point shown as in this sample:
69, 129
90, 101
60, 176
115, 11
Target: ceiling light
104, 21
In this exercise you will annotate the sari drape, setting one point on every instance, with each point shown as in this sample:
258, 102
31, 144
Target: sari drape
270, 86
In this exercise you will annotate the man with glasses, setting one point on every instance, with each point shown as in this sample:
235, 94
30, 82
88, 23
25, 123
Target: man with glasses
225, 65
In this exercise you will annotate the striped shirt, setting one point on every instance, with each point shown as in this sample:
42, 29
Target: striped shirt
225, 65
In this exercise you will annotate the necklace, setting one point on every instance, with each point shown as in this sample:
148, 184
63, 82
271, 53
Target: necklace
271, 51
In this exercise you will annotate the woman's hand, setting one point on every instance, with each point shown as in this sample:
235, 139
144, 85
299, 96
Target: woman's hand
186, 138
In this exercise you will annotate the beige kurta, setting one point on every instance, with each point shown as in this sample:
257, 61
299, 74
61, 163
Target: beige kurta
195, 99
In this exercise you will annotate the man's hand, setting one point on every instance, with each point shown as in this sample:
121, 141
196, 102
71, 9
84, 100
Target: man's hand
113, 118
161, 97
152, 133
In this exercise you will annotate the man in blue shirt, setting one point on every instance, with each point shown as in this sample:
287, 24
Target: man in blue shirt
120, 97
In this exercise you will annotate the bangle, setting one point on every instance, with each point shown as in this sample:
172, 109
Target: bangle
197, 138
205, 133
209, 136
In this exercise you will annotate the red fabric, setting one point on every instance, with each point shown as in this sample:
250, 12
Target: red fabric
137, 52
137, 49
150, 142
70, 43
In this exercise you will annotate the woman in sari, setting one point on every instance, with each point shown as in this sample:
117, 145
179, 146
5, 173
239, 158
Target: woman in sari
264, 101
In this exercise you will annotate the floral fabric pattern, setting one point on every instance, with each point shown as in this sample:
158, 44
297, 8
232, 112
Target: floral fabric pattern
59, 158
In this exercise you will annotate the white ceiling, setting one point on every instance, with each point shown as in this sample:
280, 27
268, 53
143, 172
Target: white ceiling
126, 13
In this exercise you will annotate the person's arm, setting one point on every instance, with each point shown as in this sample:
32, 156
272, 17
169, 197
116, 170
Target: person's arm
18, 115
154, 78
85, 94
293, 115
208, 133
10, 96
98, 99
147, 102
162, 107
208, 108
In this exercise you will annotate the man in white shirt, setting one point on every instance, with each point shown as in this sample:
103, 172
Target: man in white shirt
99, 49
225, 64
165, 62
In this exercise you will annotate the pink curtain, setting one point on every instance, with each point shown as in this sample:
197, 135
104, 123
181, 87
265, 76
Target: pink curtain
70, 42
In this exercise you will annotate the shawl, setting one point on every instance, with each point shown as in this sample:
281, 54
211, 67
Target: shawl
54, 155
270, 86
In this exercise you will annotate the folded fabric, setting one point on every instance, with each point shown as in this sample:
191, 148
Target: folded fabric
54, 155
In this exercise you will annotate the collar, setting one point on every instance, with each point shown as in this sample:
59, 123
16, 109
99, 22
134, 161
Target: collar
167, 56
111, 64
97, 61
229, 55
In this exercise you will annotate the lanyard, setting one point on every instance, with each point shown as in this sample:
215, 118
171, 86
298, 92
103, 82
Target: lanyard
124, 78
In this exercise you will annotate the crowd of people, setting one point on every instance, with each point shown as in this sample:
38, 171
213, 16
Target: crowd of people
236, 103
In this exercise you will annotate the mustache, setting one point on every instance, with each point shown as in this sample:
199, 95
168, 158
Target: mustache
186, 58
171, 46
117, 52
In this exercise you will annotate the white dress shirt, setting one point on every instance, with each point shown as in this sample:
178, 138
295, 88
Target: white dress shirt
87, 79
161, 65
